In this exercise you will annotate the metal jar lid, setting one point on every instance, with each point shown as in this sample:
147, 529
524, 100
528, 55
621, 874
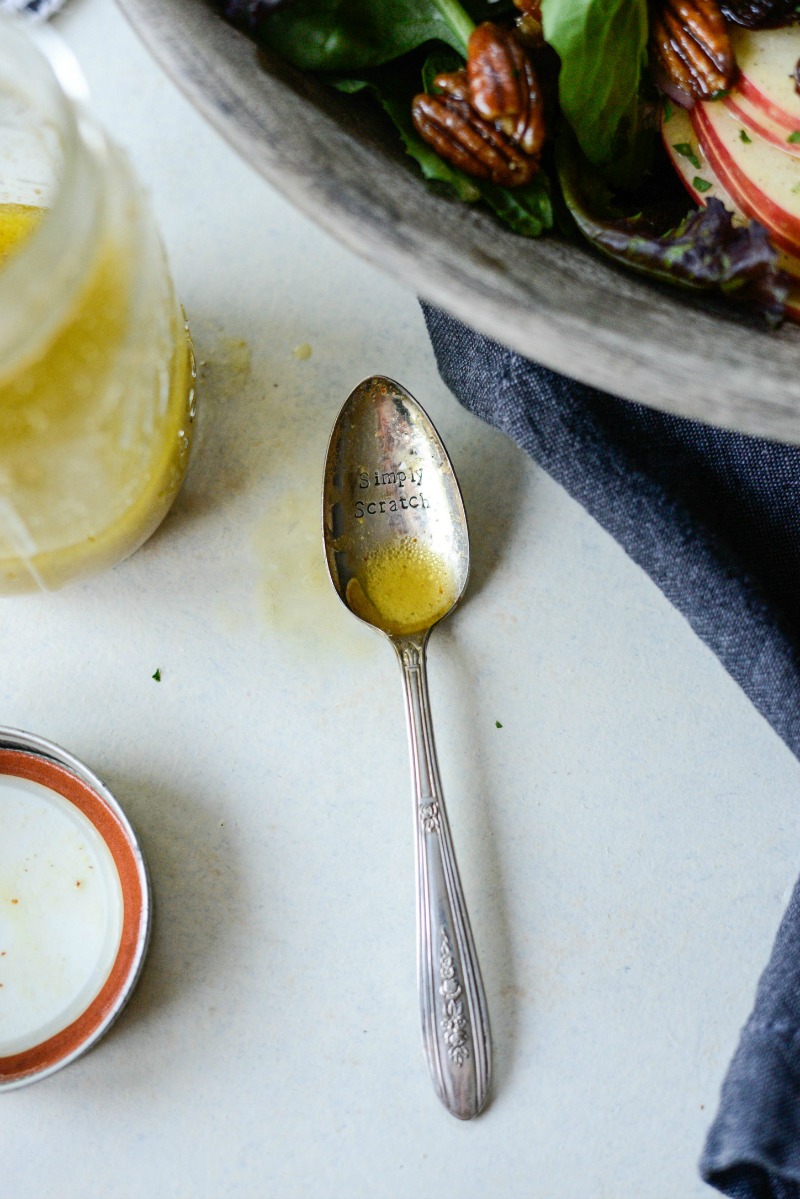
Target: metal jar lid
75, 908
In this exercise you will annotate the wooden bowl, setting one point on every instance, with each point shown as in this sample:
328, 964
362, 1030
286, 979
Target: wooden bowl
553, 301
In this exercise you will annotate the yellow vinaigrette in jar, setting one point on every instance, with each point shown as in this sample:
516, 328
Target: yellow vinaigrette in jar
16, 222
96, 374
94, 440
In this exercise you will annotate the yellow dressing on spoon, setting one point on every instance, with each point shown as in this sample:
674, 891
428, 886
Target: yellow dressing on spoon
404, 588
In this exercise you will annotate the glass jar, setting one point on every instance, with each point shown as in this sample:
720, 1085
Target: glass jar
96, 370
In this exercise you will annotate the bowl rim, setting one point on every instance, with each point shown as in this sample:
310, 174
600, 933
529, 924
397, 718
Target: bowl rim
550, 300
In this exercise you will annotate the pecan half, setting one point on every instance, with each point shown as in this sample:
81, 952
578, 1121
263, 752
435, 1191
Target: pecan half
488, 120
496, 71
693, 47
526, 129
465, 139
503, 86
453, 84
529, 32
530, 8
529, 23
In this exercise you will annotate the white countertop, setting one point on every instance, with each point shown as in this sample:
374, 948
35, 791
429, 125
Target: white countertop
628, 839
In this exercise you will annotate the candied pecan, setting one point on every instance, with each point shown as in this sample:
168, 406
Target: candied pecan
487, 120
529, 31
503, 86
466, 140
530, 8
496, 72
669, 64
693, 47
454, 83
526, 129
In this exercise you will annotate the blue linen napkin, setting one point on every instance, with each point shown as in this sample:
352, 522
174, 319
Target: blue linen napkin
714, 518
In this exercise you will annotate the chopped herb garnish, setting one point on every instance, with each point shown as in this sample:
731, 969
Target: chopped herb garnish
745, 137
497, 724
702, 185
794, 138
157, 675
668, 110
687, 151
721, 94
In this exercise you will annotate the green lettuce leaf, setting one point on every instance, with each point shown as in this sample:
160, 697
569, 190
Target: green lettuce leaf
351, 35
527, 210
395, 101
601, 44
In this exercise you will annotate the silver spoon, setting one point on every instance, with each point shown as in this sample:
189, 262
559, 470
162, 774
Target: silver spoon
397, 548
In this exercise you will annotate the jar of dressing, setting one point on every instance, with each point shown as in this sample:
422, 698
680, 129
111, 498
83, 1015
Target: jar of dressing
96, 369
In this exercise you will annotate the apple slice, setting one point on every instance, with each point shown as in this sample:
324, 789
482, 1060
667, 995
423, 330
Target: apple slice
766, 59
763, 181
685, 152
693, 168
754, 122
687, 157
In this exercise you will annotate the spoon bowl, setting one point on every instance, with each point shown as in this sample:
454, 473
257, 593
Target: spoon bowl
397, 549
396, 535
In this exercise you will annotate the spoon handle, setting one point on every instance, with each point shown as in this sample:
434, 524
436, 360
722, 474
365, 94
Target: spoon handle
455, 1020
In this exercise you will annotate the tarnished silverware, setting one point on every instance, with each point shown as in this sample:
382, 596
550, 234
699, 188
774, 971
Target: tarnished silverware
397, 549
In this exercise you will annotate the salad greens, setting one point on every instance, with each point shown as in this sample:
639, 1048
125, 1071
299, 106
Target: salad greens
601, 44
348, 35
592, 72
527, 210
394, 101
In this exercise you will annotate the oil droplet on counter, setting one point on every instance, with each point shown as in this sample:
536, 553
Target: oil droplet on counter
403, 587
236, 356
297, 597
228, 365
303, 352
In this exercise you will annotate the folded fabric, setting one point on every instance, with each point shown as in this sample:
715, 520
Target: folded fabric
714, 518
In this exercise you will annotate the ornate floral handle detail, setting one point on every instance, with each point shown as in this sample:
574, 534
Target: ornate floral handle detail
455, 1020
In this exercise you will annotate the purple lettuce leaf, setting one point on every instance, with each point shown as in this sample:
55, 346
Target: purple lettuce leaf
705, 251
